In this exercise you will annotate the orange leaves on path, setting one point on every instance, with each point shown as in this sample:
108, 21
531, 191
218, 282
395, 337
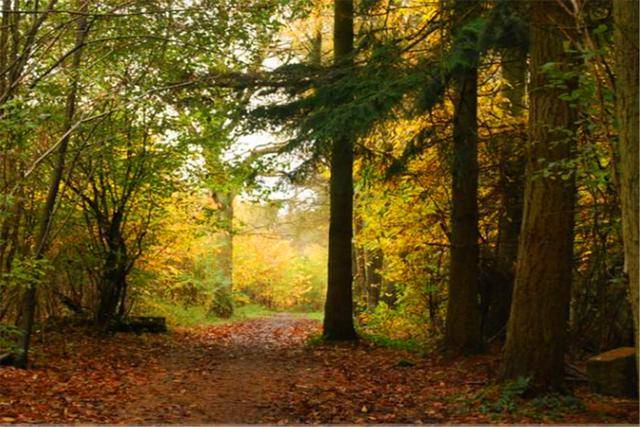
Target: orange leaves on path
258, 371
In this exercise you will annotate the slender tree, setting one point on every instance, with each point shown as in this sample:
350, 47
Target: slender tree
338, 312
463, 326
26, 320
536, 331
625, 15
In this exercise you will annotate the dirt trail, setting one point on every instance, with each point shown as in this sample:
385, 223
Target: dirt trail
229, 377
260, 371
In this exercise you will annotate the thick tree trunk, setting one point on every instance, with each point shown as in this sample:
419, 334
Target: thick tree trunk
27, 317
338, 312
463, 327
625, 15
536, 332
114, 272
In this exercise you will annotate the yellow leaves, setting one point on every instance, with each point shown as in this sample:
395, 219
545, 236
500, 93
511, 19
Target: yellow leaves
275, 272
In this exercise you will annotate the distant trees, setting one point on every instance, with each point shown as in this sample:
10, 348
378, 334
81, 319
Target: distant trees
221, 304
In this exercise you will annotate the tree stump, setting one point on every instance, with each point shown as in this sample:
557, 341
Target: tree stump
614, 372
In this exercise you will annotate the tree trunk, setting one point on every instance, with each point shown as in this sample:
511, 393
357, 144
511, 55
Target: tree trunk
536, 332
510, 190
26, 320
463, 327
114, 276
8, 162
373, 278
315, 54
511, 153
388, 290
625, 15
221, 303
359, 267
338, 311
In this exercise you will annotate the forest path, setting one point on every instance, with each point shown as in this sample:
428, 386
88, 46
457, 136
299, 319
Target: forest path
261, 371
225, 374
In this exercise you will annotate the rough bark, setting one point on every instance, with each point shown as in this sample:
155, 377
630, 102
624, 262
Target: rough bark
536, 332
463, 325
338, 312
625, 15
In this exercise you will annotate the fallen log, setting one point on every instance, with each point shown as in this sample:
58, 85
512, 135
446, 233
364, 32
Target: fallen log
140, 324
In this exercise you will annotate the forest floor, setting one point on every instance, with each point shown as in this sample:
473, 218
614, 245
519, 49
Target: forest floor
264, 371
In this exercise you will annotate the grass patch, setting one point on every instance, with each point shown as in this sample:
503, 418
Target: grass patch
410, 345
249, 311
314, 340
312, 315
179, 315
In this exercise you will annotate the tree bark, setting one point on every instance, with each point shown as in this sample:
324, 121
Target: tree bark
536, 332
115, 272
338, 312
625, 15
463, 326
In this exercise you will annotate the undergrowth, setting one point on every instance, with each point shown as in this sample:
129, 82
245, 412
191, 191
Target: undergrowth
514, 397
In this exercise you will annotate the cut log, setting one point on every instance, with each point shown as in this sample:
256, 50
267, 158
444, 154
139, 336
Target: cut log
5, 359
141, 324
614, 372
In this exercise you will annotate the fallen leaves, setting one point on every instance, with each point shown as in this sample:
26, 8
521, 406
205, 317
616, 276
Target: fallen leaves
258, 371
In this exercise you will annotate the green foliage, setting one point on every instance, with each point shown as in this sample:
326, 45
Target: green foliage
516, 398
410, 345
221, 304
314, 340
26, 271
8, 337
184, 316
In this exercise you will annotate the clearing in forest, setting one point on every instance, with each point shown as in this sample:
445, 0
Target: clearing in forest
267, 371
